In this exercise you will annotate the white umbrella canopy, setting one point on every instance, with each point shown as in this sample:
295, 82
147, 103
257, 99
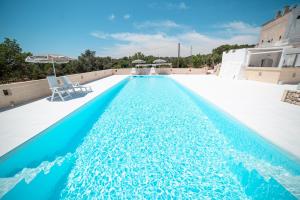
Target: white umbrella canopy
159, 61
50, 58
138, 61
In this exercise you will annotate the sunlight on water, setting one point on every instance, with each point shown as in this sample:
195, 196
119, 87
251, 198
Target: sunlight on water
153, 142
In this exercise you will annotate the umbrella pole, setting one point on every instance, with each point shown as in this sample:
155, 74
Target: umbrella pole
53, 67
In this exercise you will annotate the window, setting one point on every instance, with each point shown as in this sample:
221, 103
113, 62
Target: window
298, 17
266, 62
262, 41
289, 60
279, 37
297, 62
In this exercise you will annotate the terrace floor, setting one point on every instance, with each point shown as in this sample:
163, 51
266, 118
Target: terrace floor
253, 103
257, 105
22, 123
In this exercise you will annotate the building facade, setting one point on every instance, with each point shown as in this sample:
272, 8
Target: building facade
276, 57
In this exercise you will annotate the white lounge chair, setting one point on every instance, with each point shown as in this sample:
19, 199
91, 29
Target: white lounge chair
73, 86
56, 88
133, 71
152, 71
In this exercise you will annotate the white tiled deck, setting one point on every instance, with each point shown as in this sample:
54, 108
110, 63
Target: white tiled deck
255, 104
23, 122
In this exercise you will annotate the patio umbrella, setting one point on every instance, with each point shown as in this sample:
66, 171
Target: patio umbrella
157, 61
138, 61
50, 58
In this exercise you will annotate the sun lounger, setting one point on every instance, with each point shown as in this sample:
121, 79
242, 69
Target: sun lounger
73, 86
133, 71
152, 71
56, 88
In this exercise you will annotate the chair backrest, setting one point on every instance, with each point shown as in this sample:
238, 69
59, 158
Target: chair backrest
66, 80
52, 81
133, 71
152, 70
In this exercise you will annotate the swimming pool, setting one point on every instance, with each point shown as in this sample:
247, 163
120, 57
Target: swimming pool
148, 137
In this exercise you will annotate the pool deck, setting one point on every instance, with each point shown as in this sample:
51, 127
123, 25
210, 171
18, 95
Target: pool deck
22, 123
255, 104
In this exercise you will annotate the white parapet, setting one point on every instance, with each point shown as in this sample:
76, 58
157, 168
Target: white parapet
233, 63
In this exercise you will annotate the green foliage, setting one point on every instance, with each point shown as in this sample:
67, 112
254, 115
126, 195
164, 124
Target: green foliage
12, 60
14, 68
216, 56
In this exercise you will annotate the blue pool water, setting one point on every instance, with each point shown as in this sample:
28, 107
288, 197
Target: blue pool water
148, 138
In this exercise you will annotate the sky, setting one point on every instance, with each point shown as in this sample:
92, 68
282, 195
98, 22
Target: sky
120, 28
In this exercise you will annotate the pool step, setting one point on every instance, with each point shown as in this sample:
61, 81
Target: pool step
256, 186
47, 183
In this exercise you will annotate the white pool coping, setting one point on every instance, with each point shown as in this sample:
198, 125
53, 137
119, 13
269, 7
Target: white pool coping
24, 122
257, 105
253, 103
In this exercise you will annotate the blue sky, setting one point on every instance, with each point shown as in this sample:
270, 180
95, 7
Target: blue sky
120, 28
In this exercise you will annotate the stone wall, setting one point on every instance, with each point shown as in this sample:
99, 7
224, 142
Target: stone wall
21, 92
275, 75
291, 96
162, 71
263, 74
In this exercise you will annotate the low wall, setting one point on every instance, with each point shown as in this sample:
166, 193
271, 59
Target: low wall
291, 96
273, 74
182, 70
263, 74
290, 75
123, 71
22, 92
145, 71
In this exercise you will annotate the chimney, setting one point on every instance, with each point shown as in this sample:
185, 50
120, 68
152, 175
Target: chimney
278, 14
286, 10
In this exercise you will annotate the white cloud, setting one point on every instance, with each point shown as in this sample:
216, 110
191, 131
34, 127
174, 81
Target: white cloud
127, 16
99, 34
238, 27
162, 24
180, 6
112, 17
166, 45
169, 5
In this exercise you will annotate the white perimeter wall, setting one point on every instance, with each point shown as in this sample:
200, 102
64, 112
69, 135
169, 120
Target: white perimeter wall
233, 64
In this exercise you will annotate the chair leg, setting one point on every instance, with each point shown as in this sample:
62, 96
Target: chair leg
52, 96
67, 91
59, 94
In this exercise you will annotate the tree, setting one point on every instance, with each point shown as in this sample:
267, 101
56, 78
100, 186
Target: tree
138, 55
12, 60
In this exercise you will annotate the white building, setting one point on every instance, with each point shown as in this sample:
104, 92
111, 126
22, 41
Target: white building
275, 59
